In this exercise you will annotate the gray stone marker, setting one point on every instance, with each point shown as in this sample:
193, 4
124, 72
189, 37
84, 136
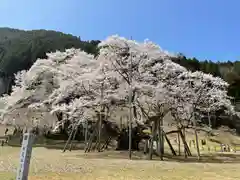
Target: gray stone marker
25, 156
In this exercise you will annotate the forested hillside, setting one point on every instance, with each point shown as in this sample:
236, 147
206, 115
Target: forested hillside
19, 49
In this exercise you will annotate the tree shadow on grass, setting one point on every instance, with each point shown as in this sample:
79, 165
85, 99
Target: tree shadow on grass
207, 158
51, 145
137, 155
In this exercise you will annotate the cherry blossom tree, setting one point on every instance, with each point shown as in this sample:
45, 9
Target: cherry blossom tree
149, 66
76, 84
53, 84
158, 82
68, 83
197, 93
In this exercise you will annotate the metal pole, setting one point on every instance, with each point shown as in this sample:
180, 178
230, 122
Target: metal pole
130, 108
100, 119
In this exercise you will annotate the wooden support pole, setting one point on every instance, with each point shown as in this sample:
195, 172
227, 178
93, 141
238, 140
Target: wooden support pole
130, 109
184, 134
69, 139
172, 132
197, 144
179, 143
105, 145
196, 136
74, 136
169, 143
185, 143
162, 137
89, 143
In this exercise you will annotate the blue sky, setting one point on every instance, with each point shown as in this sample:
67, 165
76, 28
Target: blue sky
206, 29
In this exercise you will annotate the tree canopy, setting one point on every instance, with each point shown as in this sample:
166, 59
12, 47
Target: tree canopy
20, 49
76, 84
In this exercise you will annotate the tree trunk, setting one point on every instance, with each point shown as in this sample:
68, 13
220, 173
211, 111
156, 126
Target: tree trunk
209, 121
146, 149
160, 139
98, 145
86, 133
99, 132
151, 140
121, 124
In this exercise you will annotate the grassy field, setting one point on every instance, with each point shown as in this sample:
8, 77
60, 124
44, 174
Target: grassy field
52, 164
55, 165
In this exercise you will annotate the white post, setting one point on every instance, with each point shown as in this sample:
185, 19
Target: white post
25, 156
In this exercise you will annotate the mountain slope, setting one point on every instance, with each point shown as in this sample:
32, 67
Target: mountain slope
19, 49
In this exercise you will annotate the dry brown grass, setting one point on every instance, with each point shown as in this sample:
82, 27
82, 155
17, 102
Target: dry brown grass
55, 165
52, 164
